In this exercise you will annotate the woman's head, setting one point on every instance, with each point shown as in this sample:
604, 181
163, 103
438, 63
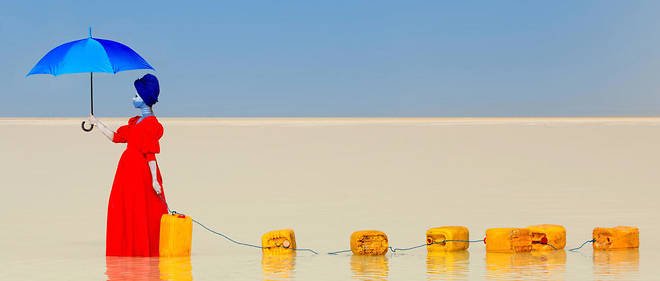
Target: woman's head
138, 102
147, 89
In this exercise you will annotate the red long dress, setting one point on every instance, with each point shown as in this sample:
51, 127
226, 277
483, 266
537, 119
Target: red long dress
134, 209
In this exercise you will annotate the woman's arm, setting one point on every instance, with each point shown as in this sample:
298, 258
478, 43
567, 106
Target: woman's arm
154, 176
110, 134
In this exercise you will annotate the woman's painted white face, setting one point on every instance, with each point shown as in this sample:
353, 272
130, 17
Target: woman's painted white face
137, 101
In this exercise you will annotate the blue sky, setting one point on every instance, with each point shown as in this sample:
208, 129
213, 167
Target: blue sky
345, 58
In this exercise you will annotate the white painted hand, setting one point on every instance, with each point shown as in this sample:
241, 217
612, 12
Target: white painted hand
156, 186
93, 120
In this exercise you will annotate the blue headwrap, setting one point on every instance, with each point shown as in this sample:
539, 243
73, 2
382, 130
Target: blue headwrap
148, 89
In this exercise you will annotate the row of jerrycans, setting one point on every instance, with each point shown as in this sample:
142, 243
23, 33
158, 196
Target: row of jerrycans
553, 237
176, 239
454, 238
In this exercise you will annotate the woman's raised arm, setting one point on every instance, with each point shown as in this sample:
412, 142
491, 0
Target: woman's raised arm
110, 134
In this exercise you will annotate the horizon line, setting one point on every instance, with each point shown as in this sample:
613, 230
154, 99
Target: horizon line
348, 117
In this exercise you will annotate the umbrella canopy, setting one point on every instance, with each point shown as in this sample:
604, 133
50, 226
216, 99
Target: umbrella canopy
89, 55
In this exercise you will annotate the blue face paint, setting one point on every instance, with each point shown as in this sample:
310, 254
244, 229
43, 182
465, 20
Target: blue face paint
139, 103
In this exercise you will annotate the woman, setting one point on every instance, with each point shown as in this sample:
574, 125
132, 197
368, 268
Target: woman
136, 201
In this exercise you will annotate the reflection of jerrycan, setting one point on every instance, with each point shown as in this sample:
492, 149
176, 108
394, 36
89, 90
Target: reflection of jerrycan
550, 264
131, 268
175, 268
542, 265
507, 265
369, 267
441, 265
278, 266
622, 264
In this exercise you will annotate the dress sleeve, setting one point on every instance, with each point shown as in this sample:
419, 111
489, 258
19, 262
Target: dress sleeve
150, 144
121, 135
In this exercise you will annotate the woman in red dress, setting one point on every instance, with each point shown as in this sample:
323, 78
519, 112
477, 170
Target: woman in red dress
136, 201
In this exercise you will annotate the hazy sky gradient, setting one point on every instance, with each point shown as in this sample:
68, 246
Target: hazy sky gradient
345, 58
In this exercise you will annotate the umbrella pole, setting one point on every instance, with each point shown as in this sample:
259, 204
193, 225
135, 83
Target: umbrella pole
91, 93
91, 102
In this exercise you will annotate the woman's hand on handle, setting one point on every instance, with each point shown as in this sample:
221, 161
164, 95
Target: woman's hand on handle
104, 129
156, 186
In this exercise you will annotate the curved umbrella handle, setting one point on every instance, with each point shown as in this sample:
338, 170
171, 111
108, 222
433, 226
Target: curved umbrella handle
85, 129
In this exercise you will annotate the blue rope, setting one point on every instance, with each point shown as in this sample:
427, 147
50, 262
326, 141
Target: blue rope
227, 237
160, 196
585, 243
394, 250
338, 252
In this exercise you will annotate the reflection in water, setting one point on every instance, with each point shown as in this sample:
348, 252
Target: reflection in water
369, 267
538, 265
549, 264
131, 268
616, 265
278, 267
148, 268
447, 265
175, 268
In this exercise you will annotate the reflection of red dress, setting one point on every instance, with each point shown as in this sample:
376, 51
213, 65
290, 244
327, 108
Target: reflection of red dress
134, 209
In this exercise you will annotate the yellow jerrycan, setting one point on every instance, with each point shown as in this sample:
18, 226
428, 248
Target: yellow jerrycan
278, 242
547, 237
369, 243
436, 238
616, 238
508, 240
175, 235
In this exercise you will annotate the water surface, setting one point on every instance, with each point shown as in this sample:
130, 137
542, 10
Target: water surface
326, 178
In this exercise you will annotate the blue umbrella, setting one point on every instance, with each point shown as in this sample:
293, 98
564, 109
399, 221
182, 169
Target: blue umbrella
88, 56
